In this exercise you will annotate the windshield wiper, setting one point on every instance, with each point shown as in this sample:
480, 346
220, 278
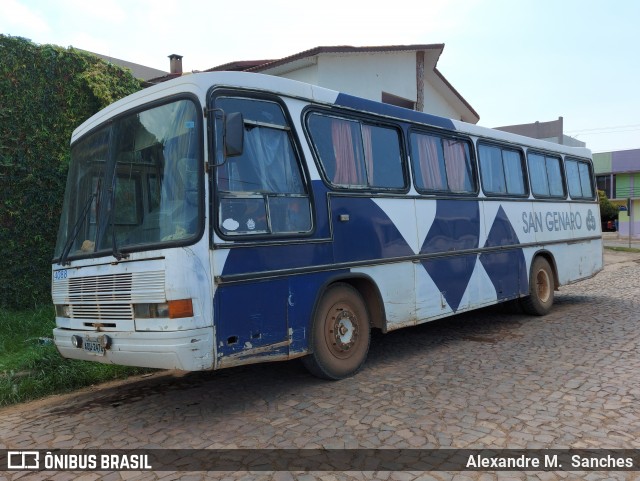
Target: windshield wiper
114, 245
77, 226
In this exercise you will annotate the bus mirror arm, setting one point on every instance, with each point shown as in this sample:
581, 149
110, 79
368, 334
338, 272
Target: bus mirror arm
233, 134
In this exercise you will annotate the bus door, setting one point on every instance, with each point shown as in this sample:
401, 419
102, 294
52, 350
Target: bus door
262, 211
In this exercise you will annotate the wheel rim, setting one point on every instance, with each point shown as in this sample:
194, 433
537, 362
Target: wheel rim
543, 285
342, 331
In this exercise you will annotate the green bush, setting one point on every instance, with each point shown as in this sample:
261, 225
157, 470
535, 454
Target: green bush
608, 210
45, 92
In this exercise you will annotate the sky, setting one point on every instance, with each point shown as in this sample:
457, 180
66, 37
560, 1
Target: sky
514, 61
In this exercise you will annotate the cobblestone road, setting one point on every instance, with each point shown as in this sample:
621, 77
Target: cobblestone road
487, 379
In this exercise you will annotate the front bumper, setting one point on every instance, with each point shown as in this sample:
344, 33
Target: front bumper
190, 350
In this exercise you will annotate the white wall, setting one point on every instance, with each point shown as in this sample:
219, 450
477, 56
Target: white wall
436, 104
368, 75
308, 75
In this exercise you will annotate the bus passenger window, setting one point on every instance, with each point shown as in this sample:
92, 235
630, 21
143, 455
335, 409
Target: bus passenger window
545, 175
501, 170
579, 179
355, 154
442, 164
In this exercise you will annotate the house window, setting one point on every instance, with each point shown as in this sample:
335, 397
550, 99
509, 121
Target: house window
607, 183
398, 101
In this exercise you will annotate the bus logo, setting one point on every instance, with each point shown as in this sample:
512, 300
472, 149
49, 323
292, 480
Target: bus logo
23, 460
591, 221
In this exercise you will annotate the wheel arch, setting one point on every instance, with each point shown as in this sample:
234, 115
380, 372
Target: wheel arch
548, 256
369, 291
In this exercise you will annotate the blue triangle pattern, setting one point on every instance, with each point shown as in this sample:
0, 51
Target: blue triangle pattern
506, 269
456, 227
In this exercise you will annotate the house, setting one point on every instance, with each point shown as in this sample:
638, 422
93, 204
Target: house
618, 175
552, 131
403, 75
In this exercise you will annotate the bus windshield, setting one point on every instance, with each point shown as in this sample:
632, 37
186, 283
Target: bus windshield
134, 183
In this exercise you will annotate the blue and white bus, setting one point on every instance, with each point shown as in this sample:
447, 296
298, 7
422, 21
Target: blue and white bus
222, 219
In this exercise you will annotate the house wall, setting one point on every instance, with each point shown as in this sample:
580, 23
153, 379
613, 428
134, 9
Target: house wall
369, 74
436, 104
602, 163
308, 75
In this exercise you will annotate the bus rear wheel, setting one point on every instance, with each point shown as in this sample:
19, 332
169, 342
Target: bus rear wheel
340, 334
541, 288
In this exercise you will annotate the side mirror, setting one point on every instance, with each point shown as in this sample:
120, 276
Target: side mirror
233, 134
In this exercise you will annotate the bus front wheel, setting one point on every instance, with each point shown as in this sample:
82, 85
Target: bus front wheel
340, 334
541, 288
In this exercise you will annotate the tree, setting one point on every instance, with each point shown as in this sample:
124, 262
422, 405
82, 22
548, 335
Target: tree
608, 210
45, 92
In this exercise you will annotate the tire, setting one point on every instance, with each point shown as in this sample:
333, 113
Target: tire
340, 334
541, 288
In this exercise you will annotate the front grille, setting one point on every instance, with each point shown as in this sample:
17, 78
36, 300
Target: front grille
116, 287
109, 297
104, 312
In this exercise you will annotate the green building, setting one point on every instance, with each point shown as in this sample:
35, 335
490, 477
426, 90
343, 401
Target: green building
618, 175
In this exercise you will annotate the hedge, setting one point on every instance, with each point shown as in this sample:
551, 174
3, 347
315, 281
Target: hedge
45, 92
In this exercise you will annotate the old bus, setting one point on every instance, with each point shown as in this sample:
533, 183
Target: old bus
222, 219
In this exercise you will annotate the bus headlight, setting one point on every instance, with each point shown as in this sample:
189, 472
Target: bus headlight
63, 310
171, 309
76, 341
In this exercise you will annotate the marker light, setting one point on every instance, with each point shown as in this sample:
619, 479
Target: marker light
172, 309
180, 308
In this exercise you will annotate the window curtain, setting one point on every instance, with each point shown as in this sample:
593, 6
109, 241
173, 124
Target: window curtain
349, 165
270, 153
513, 172
367, 132
429, 162
457, 165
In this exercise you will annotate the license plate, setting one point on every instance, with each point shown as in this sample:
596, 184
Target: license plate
93, 347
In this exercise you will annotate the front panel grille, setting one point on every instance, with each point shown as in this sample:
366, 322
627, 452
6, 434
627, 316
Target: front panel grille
104, 312
116, 287
109, 297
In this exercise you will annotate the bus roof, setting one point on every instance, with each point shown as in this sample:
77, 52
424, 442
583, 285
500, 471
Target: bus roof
200, 83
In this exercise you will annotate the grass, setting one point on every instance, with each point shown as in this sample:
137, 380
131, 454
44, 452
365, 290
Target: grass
622, 249
30, 365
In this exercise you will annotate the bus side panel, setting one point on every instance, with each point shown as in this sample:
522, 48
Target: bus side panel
380, 230
446, 227
304, 292
363, 230
269, 319
505, 262
396, 284
251, 315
